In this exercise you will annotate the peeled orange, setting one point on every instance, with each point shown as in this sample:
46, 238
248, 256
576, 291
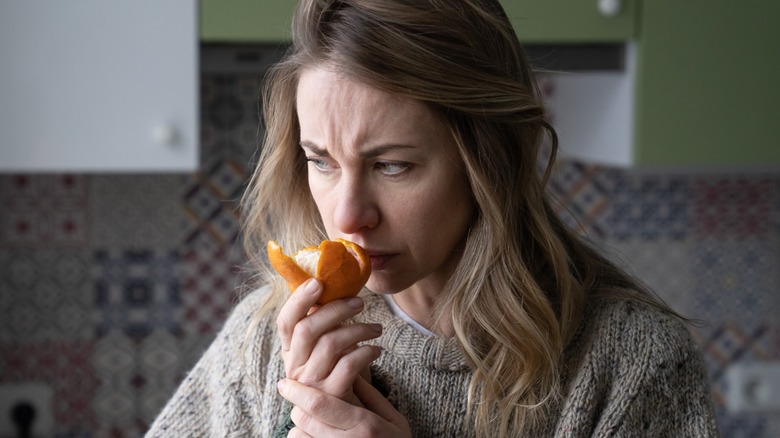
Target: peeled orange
341, 266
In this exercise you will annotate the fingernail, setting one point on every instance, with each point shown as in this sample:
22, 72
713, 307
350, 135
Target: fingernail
311, 286
376, 327
280, 385
355, 303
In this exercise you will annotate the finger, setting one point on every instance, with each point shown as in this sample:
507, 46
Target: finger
296, 432
308, 331
309, 425
329, 316
334, 345
375, 402
366, 372
348, 369
326, 408
295, 309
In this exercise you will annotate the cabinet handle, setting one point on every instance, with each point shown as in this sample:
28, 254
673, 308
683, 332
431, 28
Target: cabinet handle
165, 135
609, 8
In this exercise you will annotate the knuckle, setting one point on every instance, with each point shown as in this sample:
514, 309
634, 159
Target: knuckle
368, 427
294, 372
298, 416
303, 330
283, 326
338, 389
316, 402
308, 380
349, 365
328, 342
374, 428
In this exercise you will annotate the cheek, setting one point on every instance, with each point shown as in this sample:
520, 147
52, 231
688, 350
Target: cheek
321, 200
441, 215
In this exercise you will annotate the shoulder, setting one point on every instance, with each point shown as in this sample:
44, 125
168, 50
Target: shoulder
628, 341
248, 306
251, 323
246, 329
623, 324
217, 396
245, 355
634, 366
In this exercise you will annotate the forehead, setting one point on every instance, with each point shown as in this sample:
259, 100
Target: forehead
327, 86
331, 105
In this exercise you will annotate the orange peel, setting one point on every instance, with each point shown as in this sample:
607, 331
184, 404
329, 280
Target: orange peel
341, 266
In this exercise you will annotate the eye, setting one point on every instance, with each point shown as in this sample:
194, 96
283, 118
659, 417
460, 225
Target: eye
392, 168
320, 164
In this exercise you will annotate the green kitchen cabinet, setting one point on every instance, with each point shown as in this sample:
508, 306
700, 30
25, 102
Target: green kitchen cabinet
534, 20
572, 21
245, 21
707, 88
704, 72
702, 89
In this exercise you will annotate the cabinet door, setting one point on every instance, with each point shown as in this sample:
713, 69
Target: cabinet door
95, 85
707, 91
534, 20
246, 20
551, 21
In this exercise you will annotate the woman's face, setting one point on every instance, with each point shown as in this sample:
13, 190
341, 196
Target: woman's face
384, 173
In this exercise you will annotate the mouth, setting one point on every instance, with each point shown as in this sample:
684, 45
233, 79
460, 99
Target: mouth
379, 261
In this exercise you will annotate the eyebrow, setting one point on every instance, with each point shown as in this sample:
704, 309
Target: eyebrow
368, 153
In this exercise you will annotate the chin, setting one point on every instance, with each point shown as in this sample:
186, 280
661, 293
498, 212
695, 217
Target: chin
381, 286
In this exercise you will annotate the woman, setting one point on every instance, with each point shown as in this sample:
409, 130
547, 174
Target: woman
413, 127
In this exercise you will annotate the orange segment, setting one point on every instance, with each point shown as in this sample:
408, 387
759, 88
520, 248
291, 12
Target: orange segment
343, 268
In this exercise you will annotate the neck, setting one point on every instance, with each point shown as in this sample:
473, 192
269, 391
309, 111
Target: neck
421, 307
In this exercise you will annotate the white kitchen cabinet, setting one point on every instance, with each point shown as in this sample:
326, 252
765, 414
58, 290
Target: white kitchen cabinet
593, 112
98, 86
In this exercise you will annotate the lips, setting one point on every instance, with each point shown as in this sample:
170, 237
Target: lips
380, 258
379, 261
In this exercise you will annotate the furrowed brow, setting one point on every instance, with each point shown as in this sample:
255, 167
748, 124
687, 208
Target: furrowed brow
382, 149
314, 149
372, 152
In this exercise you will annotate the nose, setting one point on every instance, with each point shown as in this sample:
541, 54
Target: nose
356, 208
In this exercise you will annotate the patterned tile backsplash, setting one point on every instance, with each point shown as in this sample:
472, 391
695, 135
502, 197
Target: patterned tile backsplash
111, 286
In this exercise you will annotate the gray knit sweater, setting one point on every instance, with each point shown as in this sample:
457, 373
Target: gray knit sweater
631, 371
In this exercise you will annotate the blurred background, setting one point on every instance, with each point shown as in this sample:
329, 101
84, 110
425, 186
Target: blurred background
120, 252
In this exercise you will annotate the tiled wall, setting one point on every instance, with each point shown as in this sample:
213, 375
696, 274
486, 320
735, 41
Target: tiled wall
111, 286
709, 245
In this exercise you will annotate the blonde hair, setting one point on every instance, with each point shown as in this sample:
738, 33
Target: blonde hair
518, 294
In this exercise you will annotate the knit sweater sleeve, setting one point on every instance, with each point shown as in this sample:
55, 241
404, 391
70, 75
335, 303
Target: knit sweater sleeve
640, 374
186, 413
214, 399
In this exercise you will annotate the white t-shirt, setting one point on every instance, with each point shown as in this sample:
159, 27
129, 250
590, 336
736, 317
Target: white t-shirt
397, 311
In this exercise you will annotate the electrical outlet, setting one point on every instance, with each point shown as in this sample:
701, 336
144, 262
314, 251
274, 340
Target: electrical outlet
753, 387
39, 396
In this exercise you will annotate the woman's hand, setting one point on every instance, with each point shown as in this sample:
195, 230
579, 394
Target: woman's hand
317, 414
323, 364
320, 351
